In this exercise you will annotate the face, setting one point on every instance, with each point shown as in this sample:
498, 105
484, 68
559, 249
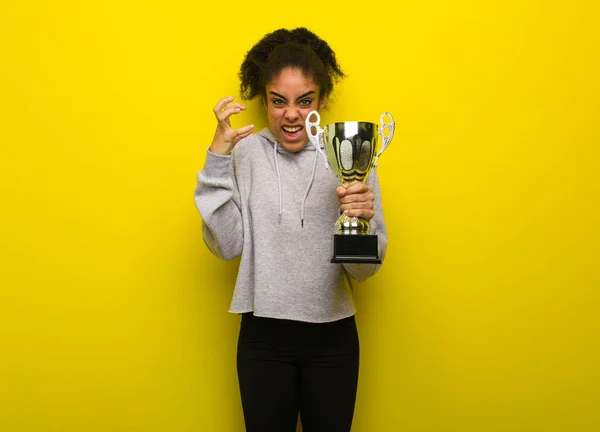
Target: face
289, 98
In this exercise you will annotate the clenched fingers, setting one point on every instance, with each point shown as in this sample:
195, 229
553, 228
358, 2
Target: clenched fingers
356, 200
229, 111
221, 104
367, 214
357, 197
225, 109
354, 192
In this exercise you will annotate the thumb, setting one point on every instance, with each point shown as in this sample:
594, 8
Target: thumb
242, 133
244, 130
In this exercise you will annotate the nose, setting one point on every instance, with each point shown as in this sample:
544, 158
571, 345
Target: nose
292, 114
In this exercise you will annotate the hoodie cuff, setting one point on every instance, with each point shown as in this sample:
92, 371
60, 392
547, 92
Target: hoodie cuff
372, 227
216, 165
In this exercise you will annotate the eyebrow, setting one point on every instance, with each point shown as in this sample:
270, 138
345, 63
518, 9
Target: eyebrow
300, 97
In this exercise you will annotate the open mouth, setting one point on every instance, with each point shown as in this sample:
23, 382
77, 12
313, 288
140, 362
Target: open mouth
292, 132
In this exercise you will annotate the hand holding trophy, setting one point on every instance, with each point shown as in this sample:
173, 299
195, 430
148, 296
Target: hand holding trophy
351, 152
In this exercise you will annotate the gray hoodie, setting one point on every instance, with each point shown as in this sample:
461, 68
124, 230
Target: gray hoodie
278, 210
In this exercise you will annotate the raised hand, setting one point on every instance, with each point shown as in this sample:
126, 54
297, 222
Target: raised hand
226, 137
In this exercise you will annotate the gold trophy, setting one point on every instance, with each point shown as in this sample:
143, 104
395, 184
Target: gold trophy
351, 152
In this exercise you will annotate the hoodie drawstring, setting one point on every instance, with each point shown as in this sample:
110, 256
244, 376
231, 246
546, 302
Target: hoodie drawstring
278, 179
312, 178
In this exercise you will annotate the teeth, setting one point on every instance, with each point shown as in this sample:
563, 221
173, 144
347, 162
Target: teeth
291, 129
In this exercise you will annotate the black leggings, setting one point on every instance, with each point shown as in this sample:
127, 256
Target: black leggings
289, 366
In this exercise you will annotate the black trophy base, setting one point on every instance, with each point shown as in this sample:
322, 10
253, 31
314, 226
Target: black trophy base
355, 249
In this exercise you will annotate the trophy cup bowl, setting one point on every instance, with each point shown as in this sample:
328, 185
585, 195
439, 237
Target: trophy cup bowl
351, 153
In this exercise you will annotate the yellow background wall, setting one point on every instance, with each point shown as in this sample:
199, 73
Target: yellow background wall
485, 316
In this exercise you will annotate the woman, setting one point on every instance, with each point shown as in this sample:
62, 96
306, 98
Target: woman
266, 197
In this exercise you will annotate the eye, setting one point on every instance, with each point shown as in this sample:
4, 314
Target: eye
278, 102
305, 102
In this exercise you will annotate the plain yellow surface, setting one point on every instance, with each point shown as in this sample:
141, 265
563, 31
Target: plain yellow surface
485, 316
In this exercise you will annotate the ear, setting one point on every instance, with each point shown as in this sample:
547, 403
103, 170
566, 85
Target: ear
322, 102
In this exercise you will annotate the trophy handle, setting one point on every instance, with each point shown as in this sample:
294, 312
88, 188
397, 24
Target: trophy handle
315, 138
385, 139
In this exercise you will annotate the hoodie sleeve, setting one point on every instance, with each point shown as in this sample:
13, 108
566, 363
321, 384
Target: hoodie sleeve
377, 226
218, 201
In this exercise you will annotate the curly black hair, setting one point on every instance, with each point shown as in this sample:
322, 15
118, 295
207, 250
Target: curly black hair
299, 49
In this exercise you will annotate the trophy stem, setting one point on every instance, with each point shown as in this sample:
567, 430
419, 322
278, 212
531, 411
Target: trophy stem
347, 225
